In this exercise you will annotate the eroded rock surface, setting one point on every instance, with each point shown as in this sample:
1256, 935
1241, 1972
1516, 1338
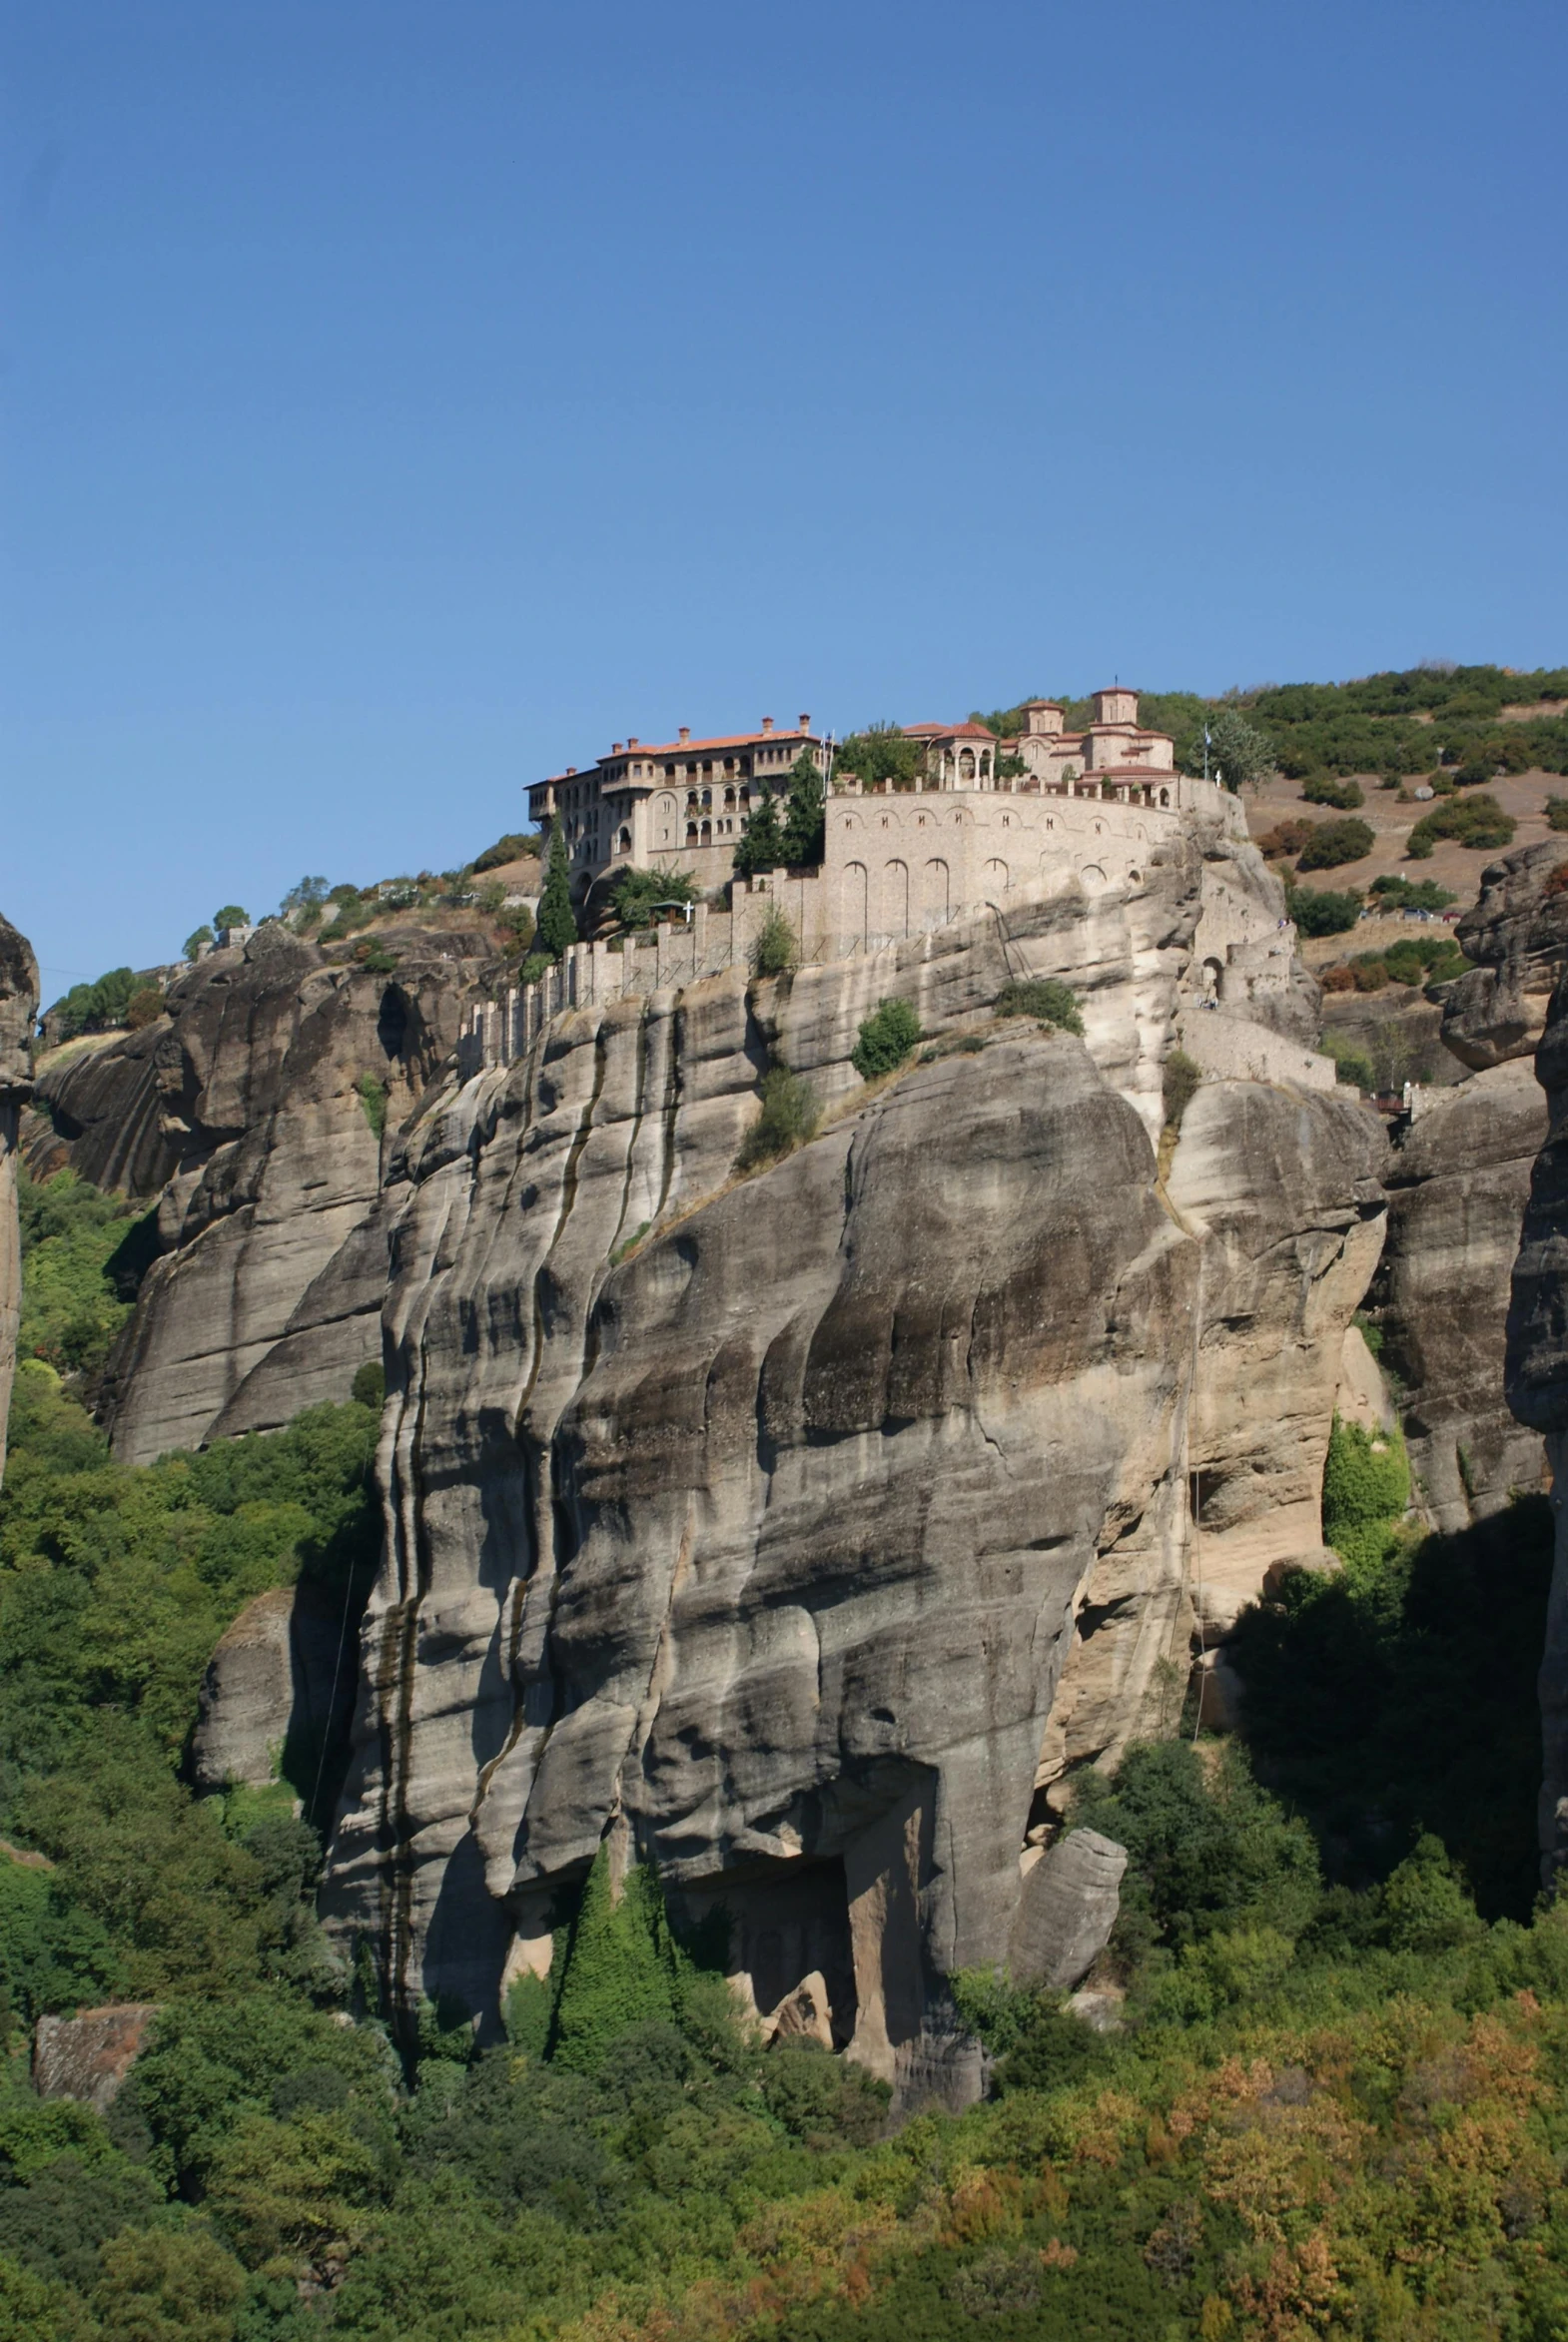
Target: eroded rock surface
1457, 1189
278, 1683
87, 2057
18, 1008
258, 1111
1516, 935
800, 1533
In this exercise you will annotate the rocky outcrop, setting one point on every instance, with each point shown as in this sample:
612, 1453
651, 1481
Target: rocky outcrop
802, 1532
18, 1008
1066, 1910
1457, 1188
258, 1110
276, 1689
87, 2057
1513, 1006
1516, 934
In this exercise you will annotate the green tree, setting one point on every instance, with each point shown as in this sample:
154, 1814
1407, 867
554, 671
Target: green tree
620, 1968
557, 925
309, 895
788, 1119
1240, 751
167, 2285
231, 915
805, 813
1335, 842
1322, 911
881, 752
1477, 821
761, 845
642, 896
194, 939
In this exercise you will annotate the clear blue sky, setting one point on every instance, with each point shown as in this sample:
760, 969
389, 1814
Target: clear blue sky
403, 400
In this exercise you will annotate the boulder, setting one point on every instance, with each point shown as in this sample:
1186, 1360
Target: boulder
1067, 1911
280, 1678
87, 2057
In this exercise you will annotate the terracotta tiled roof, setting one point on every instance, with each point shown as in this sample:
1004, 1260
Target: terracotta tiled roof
677, 748
946, 732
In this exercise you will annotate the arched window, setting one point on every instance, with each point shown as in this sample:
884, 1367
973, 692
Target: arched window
691, 800
707, 833
1164, 796
707, 799
625, 841
966, 765
729, 798
692, 833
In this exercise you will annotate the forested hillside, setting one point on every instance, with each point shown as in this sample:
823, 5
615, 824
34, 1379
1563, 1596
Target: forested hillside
1333, 2103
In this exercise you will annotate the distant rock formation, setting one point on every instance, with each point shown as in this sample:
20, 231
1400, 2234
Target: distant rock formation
804, 1533
18, 1010
88, 2056
258, 1110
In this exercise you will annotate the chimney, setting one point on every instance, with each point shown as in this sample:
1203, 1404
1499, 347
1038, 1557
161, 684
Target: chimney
570, 769
685, 731
631, 739
615, 748
767, 723
805, 723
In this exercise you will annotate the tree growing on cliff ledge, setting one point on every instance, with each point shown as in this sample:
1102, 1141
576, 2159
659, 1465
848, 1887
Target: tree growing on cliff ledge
557, 926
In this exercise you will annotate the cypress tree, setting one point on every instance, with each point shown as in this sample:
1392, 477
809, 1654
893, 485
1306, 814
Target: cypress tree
805, 815
557, 926
762, 847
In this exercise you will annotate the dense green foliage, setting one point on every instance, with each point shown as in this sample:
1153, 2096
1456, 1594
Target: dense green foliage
886, 1038
761, 847
1477, 821
881, 752
1322, 911
642, 896
1366, 1487
805, 813
556, 927
1413, 960
1044, 998
1241, 753
93, 1008
788, 1119
1334, 842
1323, 789
86, 1254
1412, 894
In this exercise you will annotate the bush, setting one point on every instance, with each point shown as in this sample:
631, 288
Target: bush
1286, 838
194, 942
773, 949
886, 1039
1557, 813
1470, 821
372, 1096
1352, 1066
1366, 1486
1323, 913
1406, 894
1180, 1084
641, 897
1046, 999
1334, 842
1339, 978
145, 1007
1323, 789
788, 1119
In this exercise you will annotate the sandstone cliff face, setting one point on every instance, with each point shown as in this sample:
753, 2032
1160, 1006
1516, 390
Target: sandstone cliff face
18, 1008
1457, 1190
1530, 935
1516, 934
246, 1111
802, 1532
